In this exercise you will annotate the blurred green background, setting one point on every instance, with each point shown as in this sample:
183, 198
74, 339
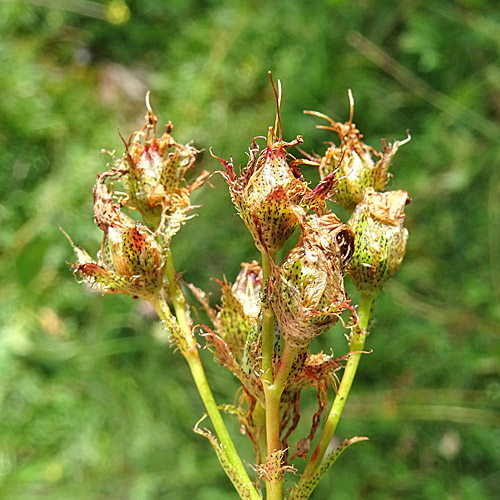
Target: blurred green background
93, 403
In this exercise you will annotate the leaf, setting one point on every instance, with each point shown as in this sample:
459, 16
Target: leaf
243, 489
307, 484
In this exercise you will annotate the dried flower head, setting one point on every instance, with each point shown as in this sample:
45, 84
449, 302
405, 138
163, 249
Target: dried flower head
380, 239
356, 164
236, 339
240, 307
153, 171
130, 260
270, 187
307, 290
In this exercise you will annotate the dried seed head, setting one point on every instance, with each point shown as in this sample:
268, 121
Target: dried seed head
236, 341
356, 165
153, 171
270, 188
380, 239
130, 260
266, 192
307, 289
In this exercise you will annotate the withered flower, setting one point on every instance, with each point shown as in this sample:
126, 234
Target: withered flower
318, 371
265, 193
153, 172
240, 307
380, 239
356, 164
236, 341
130, 260
270, 187
307, 290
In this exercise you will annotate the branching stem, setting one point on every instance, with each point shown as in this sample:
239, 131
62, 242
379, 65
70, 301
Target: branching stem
356, 345
192, 357
272, 393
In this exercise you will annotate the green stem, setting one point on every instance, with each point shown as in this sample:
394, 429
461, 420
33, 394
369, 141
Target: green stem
272, 394
259, 422
267, 327
192, 357
286, 364
356, 345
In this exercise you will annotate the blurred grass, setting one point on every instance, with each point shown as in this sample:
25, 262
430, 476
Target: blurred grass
93, 403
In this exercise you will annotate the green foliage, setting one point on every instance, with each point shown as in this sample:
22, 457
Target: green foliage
93, 403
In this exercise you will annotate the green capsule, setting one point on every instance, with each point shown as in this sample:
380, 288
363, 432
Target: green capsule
379, 237
357, 166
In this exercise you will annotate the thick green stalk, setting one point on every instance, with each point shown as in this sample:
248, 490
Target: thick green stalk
259, 422
285, 367
192, 357
272, 394
274, 485
356, 345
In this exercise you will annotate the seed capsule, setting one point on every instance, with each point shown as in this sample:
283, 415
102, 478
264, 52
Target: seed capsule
356, 165
130, 260
380, 239
152, 172
307, 289
270, 188
240, 307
